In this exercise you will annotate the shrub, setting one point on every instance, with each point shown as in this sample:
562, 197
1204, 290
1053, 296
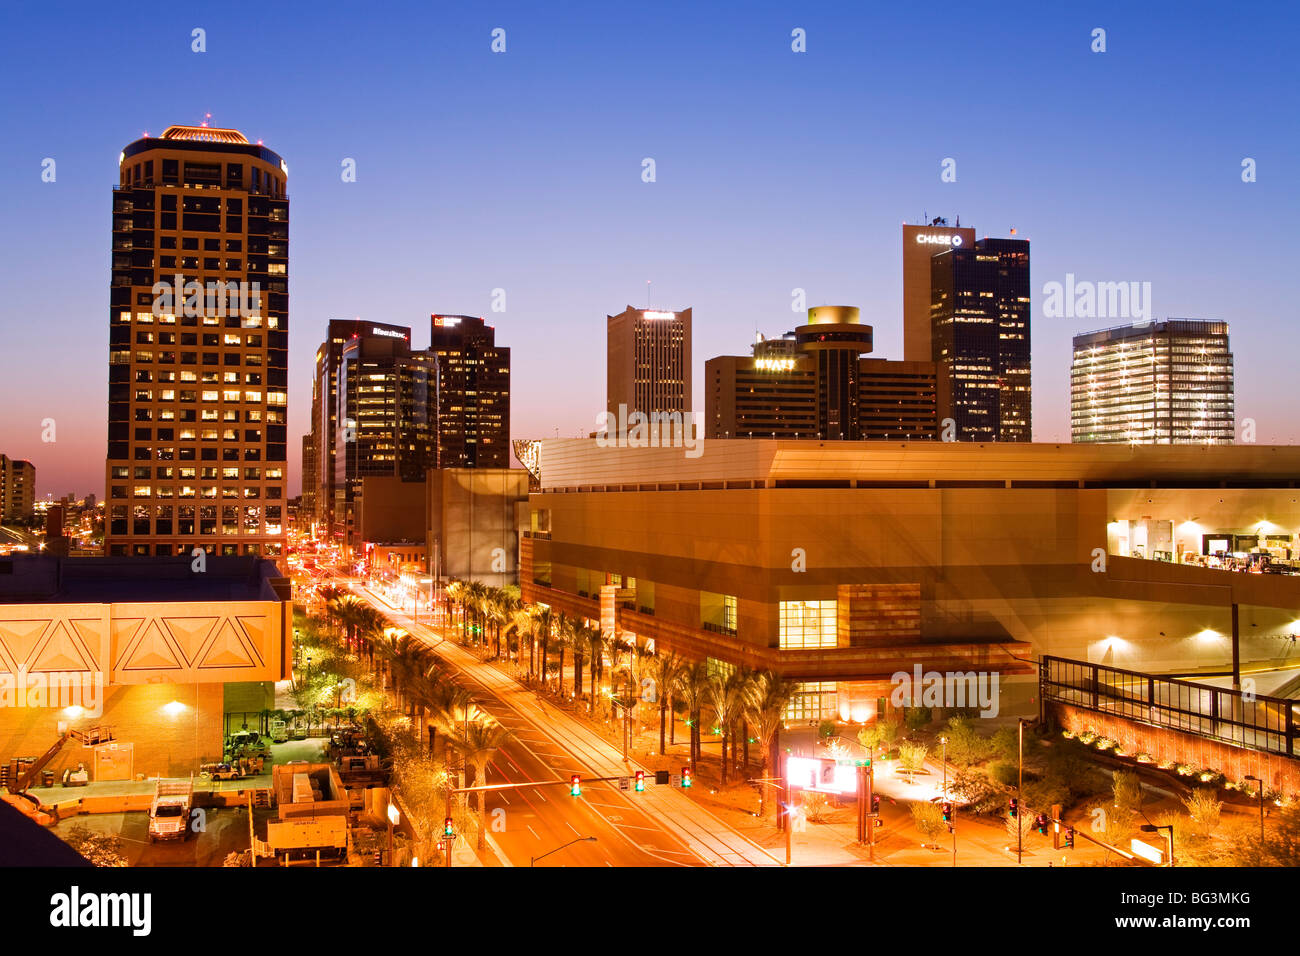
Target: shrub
1005, 773
965, 745
889, 728
1127, 790
1048, 791
1006, 743
1203, 810
928, 818
816, 806
917, 717
912, 756
825, 730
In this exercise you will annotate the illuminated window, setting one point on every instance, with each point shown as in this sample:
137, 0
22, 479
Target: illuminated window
813, 700
808, 623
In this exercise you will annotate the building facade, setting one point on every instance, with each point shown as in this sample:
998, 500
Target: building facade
198, 347
473, 393
845, 564
17, 488
387, 416
920, 244
648, 362
817, 382
1163, 383
980, 305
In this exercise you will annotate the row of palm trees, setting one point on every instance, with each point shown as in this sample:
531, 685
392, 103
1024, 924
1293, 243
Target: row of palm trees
739, 704
421, 687
737, 701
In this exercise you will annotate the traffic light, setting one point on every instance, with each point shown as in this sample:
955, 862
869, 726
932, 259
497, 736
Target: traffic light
686, 778
1013, 808
448, 831
575, 785
947, 812
875, 803
1069, 838
640, 781
1040, 822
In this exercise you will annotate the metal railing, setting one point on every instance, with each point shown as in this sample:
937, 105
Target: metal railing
1232, 716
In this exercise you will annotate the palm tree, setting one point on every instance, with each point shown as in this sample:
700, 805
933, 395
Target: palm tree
766, 710
543, 620
329, 595
667, 669
579, 643
456, 592
596, 641
694, 688
478, 744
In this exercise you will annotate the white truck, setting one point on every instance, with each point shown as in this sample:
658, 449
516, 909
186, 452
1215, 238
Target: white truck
169, 814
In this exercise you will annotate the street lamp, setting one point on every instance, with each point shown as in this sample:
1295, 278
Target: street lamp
1153, 828
394, 817
532, 861
1261, 808
1020, 783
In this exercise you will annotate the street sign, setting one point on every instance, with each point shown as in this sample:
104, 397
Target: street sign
662, 777
623, 783
675, 780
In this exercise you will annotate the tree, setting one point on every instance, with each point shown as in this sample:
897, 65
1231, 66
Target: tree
728, 698
666, 669
694, 687
767, 710
543, 622
1128, 790
928, 819
596, 640
912, 756
478, 744
580, 644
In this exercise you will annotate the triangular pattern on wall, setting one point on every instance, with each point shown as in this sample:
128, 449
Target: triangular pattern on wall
124, 632
20, 639
228, 648
190, 633
91, 633
255, 630
153, 651
60, 651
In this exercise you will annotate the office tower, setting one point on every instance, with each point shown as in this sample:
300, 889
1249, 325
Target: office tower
648, 364
387, 412
307, 492
17, 488
817, 383
980, 301
920, 244
324, 404
473, 393
1162, 383
198, 346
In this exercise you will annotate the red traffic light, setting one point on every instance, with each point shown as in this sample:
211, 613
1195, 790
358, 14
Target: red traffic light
947, 812
686, 778
447, 829
575, 785
1013, 808
640, 781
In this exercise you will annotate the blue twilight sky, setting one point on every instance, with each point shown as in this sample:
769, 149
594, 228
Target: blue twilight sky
775, 170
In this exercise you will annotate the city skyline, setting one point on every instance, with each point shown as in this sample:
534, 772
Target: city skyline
549, 204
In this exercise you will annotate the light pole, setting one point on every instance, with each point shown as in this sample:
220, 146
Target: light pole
1261, 808
944, 741
1020, 783
1153, 828
394, 816
532, 861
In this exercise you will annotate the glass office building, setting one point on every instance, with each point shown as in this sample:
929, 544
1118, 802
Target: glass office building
1162, 383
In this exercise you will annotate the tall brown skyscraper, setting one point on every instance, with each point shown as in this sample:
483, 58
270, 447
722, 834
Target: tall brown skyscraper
920, 244
198, 346
648, 368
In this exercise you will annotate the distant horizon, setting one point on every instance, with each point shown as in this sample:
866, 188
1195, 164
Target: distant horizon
518, 177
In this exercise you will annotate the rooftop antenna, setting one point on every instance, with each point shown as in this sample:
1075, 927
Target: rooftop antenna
206, 117
647, 293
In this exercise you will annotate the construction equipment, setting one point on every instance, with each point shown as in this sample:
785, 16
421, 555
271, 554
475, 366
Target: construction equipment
21, 778
169, 814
